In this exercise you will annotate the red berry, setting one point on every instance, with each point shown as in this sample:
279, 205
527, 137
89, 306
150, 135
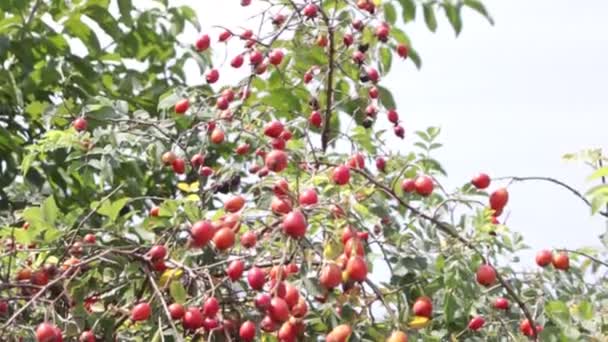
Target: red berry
278, 19
341, 175
423, 307
356, 268
245, 3
225, 35
393, 116
177, 310
381, 164
193, 319
358, 57
544, 257
274, 129
179, 166
315, 119
235, 269
424, 185
197, 160
45, 332
499, 199
399, 131
222, 103
357, 161
89, 239
224, 238
211, 307
262, 301
561, 261
202, 232
294, 224
481, 181
212, 76
476, 323
372, 73
256, 57
247, 331
486, 275
80, 124
373, 92
278, 310
308, 197
256, 278
501, 303
141, 312
276, 160
348, 39
237, 61
203, 43
158, 252
402, 50
331, 276
87, 336
275, 57
310, 11
248, 239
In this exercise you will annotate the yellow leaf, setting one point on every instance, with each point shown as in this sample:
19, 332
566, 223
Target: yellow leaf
193, 198
183, 186
331, 250
170, 274
377, 2
419, 322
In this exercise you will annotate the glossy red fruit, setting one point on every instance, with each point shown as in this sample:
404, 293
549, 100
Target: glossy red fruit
341, 175
476, 323
217, 136
408, 185
212, 76
308, 77
499, 199
310, 11
202, 232
234, 204
3, 307
247, 331
358, 24
280, 205
358, 57
373, 92
402, 50
141, 312
286, 135
526, 328
357, 161
382, 32
424, 185
39, 278
179, 166
481, 181
205, 171
373, 74
278, 309
168, 158
348, 39
287, 332
247, 34
224, 36
331, 276
281, 187
501, 303
235, 269
89, 239
197, 160
354, 246
256, 57
157, 252
308, 197
315, 119
222, 103
224, 238
80, 124
544, 257
341, 333
87, 336
274, 129
210, 323
294, 224
486, 275
278, 144
211, 307
249, 239
276, 57
256, 278
423, 306
237, 61
399, 131
291, 296
182, 106
245, 3
561, 261
392, 116
278, 19
356, 268
177, 311
397, 336
193, 319
45, 332
202, 43
300, 309
381, 164
262, 301
276, 160
268, 324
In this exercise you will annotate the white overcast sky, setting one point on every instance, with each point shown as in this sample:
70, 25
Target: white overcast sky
511, 99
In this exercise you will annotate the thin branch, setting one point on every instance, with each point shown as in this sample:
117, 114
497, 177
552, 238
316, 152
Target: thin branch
163, 302
588, 256
330, 82
558, 182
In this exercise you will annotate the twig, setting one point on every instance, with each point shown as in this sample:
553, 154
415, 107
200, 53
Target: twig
163, 302
558, 182
330, 80
590, 257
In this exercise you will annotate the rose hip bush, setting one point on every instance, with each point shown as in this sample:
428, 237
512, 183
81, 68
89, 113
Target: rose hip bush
136, 207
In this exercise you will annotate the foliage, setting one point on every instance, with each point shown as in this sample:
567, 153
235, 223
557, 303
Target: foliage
85, 206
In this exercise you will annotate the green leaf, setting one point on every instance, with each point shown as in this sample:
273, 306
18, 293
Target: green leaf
178, 292
125, 7
190, 15
389, 13
584, 310
453, 14
50, 210
558, 311
479, 7
409, 10
386, 59
429, 17
111, 209
386, 98
599, 173
75, 28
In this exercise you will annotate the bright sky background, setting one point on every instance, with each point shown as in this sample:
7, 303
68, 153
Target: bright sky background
511, 99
